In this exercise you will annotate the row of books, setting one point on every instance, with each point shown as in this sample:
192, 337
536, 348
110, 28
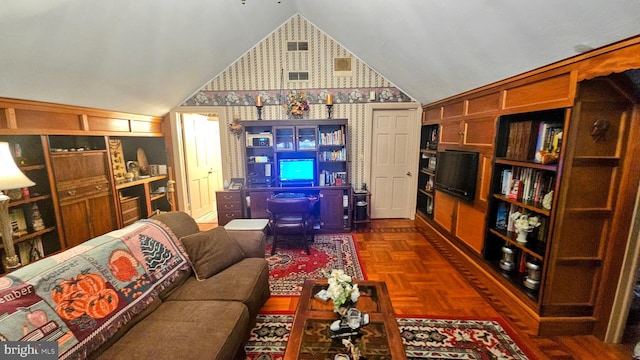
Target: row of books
505, 222
333, 155
526, 184
332, 138
333, 178
527, 138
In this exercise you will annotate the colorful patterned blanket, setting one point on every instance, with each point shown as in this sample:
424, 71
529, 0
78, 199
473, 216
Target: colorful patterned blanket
82, 296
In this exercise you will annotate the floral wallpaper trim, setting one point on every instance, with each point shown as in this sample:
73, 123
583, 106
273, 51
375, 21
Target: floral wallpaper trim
314, 96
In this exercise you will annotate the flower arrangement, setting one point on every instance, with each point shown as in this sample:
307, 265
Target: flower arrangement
524, 224
297, 104
236, 126
341, 289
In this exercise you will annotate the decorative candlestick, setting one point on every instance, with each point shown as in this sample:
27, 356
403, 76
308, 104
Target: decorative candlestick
329, 103
259, 106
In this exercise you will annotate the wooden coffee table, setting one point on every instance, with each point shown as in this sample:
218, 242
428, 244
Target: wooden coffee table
310, 334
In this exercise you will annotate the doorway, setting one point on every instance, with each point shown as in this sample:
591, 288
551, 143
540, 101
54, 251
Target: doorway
392, 157
198, 150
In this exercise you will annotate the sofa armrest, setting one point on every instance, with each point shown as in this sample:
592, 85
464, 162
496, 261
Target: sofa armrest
252, 243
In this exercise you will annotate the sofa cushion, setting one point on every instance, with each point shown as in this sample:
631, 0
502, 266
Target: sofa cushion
186, 330
180, 223
211, 251
246, 281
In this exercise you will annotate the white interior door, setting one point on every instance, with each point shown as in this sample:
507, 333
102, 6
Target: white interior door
393, 133
203, 162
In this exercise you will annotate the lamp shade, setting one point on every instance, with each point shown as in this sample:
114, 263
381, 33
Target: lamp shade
10, 176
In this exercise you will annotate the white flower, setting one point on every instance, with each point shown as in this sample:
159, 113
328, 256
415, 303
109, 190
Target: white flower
524, 222
341, 288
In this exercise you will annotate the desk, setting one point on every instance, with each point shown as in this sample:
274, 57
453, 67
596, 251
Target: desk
333, 210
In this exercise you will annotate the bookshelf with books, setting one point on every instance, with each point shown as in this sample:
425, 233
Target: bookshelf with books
524, 181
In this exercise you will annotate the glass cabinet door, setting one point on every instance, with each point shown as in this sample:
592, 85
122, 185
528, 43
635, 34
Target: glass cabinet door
307, 138
284, 138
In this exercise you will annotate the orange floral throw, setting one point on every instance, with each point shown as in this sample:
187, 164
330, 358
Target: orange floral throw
82, 296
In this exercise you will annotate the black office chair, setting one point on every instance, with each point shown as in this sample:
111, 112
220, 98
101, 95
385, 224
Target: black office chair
291, 216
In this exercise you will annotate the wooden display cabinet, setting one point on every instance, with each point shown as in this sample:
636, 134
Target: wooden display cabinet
589, 189
34, 239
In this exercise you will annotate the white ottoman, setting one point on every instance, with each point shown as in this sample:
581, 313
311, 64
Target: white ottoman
251, 232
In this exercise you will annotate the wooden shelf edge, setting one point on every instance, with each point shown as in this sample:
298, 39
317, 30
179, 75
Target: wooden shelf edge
31, 236
140, 181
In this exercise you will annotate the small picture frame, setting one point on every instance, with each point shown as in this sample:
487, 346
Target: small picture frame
432, 163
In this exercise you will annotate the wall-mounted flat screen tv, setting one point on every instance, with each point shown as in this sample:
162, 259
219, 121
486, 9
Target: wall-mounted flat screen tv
296, 172
456, 173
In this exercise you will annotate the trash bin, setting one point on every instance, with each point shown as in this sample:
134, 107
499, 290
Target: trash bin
361, 210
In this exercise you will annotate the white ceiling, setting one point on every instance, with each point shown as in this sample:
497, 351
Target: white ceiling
147, 56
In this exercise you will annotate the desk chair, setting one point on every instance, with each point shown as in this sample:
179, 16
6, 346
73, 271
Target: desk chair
291, 216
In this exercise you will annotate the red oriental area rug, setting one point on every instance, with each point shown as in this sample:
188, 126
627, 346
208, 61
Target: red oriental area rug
290, 266
423, 338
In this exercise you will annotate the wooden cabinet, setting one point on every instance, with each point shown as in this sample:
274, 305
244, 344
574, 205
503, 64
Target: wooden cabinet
85, 194
229, 206
332, 219
468, 132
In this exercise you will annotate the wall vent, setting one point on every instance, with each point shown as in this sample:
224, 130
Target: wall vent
297, 45
298, 75
342, 67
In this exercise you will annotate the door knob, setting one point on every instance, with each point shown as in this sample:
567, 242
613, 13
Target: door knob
409, 173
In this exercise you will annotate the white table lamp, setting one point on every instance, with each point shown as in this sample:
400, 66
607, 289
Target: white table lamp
10, 178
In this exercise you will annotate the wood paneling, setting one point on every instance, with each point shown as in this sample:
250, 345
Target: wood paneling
483, 103
453, 110
551, 92
432, 114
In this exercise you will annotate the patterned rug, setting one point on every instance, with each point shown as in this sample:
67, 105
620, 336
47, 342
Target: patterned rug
423, 338
290, 266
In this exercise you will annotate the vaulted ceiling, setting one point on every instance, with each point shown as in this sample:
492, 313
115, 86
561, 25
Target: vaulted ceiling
148, 56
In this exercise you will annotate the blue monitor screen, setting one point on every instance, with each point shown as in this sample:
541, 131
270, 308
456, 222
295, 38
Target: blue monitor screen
297, 170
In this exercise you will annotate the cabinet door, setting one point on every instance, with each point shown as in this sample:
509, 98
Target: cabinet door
284, 138
479, 131
450, 133
444, 208
101, 215
307, 138
79, 165
258, 203
77, 228
331, 209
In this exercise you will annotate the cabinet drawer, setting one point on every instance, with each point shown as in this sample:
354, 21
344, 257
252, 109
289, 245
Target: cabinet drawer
222, 206
226, 216
129, 204
228, 197
82, 190
130, 216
